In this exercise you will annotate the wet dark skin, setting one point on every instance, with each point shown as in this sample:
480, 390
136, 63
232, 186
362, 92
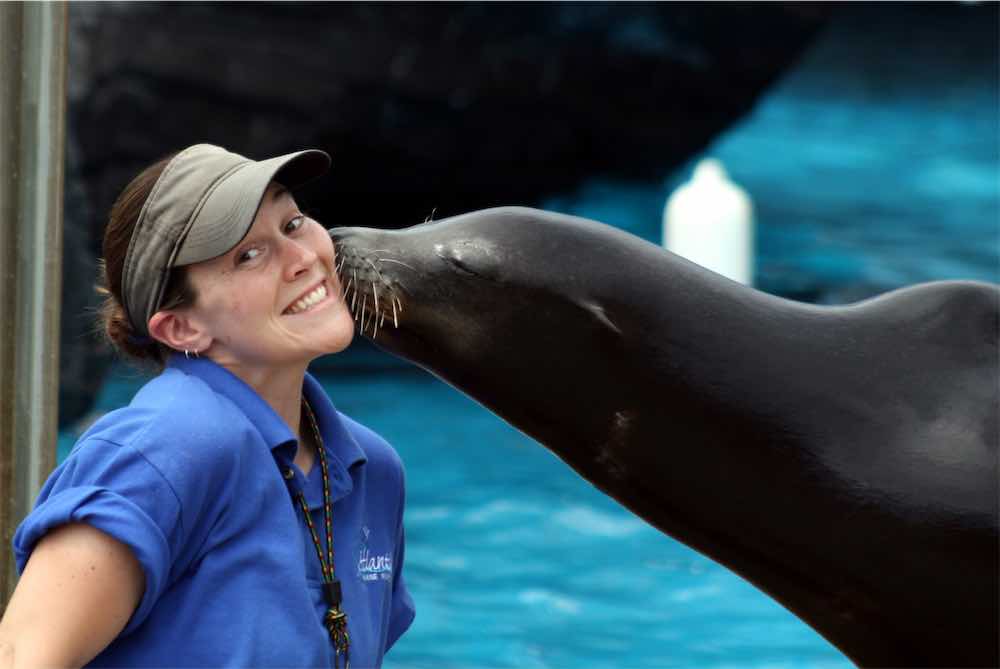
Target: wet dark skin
841, 458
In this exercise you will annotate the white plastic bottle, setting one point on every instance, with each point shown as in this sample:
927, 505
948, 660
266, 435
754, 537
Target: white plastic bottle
709, 220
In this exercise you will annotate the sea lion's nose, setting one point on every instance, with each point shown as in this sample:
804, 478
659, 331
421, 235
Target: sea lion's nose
338, 233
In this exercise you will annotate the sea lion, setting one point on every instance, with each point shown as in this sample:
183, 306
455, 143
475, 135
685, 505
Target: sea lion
841, 458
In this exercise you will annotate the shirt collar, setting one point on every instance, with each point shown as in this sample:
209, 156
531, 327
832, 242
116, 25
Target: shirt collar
337, 441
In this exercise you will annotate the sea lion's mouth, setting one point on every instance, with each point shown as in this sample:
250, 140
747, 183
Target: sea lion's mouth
370, 290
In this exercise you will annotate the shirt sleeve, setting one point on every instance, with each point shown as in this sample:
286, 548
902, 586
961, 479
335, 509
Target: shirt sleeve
403, 611
116, 490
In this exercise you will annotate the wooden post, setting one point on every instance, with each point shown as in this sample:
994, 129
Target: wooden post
33, 42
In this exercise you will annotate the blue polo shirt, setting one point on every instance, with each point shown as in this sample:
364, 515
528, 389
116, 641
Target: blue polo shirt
196, 475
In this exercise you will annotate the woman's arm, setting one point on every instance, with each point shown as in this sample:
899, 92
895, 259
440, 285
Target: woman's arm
78, 591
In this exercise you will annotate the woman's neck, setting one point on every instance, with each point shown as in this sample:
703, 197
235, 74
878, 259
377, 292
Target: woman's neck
279, 386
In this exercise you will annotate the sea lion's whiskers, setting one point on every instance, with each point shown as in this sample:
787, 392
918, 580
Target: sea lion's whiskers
364, 303
380, 277
394, 319
397, 262
354, 273
397, 302
375, 292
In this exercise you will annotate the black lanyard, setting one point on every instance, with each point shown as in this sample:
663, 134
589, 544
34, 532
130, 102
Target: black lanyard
335, 619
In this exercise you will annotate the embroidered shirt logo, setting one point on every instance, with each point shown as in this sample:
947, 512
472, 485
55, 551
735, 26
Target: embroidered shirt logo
372, 565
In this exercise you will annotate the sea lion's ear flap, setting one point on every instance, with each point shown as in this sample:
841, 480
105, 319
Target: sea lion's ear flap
599, 314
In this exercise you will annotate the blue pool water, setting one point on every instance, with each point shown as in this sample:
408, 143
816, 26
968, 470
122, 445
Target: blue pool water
862, 183
515, 561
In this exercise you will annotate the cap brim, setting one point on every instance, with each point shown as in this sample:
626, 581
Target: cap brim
228, 211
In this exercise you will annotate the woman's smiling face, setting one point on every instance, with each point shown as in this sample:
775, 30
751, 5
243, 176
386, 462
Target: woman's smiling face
274, 299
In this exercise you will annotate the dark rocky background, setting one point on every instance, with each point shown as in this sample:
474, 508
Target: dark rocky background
427, 109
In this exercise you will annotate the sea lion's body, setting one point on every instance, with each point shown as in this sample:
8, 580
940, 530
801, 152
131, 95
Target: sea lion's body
843, 459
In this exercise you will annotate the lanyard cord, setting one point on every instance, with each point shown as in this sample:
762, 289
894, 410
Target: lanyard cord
335, 619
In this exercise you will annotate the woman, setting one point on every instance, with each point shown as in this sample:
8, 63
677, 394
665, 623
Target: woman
229, 516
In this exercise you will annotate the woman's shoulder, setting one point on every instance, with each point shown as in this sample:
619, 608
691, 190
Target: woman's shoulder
177, 423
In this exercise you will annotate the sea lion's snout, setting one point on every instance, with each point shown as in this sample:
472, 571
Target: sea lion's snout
370, 288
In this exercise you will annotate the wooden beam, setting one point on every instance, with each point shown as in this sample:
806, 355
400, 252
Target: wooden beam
33, 43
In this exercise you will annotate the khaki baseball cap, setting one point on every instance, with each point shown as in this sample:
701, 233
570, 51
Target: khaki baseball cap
201, 206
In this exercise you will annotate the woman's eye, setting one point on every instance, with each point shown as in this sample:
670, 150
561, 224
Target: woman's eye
249, 254
295, 224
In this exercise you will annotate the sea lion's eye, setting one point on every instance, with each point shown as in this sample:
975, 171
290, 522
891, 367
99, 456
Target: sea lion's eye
295, 224
471, 257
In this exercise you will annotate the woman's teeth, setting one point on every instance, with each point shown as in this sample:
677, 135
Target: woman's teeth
309, 300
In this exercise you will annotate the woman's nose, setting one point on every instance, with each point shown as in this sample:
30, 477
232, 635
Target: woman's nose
301, 257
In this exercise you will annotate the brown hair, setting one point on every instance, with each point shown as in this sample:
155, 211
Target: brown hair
112, 321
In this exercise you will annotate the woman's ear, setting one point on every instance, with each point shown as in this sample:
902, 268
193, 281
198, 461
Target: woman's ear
178, 330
